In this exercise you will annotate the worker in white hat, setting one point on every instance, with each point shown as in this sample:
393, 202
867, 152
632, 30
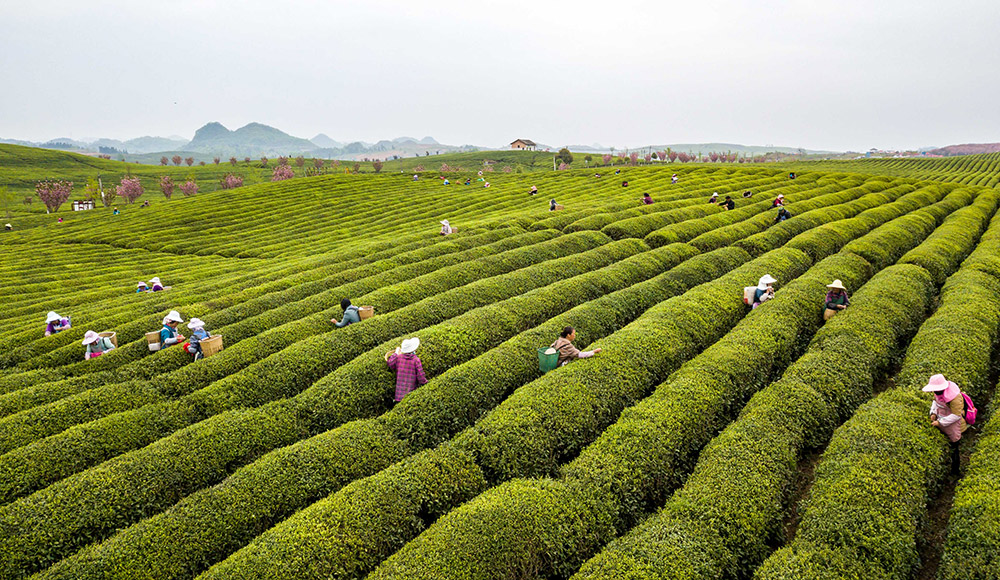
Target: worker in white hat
55, 324
169, 334
141, 287
407, 366
96, 344
714, 198
836, 299
198, 334
778, 201
765, 290
445, 228
157, 286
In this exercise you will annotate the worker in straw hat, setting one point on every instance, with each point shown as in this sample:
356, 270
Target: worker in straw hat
141, 287
948, 413
780, 200
198, 334
765, 290
55, 324
157, 285
445, 228
714, 198
96, 344
169, 334
836, 299
407, 366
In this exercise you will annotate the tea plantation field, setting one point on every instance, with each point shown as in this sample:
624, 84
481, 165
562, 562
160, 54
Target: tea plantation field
706, 440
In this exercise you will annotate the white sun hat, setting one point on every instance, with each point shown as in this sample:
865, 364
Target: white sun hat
195, 323
836, 284
52, 317
174, 316
715, 194
155, 281
444, 223
764, 281
781, 196
90, 337
409, 345
140, 284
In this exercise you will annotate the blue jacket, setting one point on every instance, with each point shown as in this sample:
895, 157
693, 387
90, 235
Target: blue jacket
350, 317
167, 336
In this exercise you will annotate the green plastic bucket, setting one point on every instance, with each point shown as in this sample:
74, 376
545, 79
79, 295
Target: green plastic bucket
547, 362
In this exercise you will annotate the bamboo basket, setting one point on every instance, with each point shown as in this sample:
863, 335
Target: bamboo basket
112, 336
153, 339
366, 312
558, 207
211, 345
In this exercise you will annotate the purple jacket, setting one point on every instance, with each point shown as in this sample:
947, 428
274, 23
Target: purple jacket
409, 373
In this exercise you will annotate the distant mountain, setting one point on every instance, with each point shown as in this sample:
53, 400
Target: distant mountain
323, 141
154, 144
693, 148
428, 141
253, 139
966, 149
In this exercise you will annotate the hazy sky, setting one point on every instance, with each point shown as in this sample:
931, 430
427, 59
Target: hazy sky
821, 75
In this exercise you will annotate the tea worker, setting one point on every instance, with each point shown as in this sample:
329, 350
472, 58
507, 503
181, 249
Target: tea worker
169, 334
568, 352
141, 287
783, 214
55, 324
96, 344
646, 199
947, 413
157, 286
445, 228
729, 204
714, 198
765, 290
198, 334
407, 366
836, 299
350, 314
778, 201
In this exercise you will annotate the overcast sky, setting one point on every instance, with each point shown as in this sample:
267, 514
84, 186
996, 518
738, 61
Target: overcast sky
821, 75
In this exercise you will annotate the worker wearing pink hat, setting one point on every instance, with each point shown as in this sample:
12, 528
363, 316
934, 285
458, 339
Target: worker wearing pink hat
948, 412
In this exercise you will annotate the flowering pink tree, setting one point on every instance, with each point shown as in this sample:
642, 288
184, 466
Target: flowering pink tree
606, 158
683, 157
216, 160
300, 161
53, 193
282, 172
167, 186
164, 160
189, 161
648, 157
282, 160
633, 158
263, 161
672, 156
713, 156
130, 189
377, 166
189, 188
231, 181
318, 163
246, 161
233, 161
176, 159
563, 166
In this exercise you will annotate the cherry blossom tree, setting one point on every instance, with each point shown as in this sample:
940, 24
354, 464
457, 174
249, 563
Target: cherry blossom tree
263, 161
53, 193
164, 160
300, 161
377, 166
318, 163
189, 188
231, 181
246, 161
282, 172
563, 166
606, 158
130, 189
282, 160
189, 161
176, 159
633, 158
216, 160
233, 161
672, 155
649, 157
167, 186
713, 156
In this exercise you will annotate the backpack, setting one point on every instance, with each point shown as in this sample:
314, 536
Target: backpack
749, 292
970, 410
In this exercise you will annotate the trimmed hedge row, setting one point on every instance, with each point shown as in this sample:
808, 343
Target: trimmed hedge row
288, 478
942, 253
126, 488
871, 488
726, 511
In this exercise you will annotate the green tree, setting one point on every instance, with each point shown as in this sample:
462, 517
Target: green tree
565, 156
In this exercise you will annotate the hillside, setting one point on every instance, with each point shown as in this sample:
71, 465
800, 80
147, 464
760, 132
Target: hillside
967, 149
253, 139
284, 456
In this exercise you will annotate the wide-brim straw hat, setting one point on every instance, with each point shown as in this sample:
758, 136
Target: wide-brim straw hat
409, 345
90, 337
780, 196
174, 316
195, 323
155, 281
444, 223
766, 279
836, 284
937, 383
715, 194
140, 284
52, 317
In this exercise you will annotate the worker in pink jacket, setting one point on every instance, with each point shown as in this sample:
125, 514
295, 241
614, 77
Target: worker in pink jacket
947, 413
